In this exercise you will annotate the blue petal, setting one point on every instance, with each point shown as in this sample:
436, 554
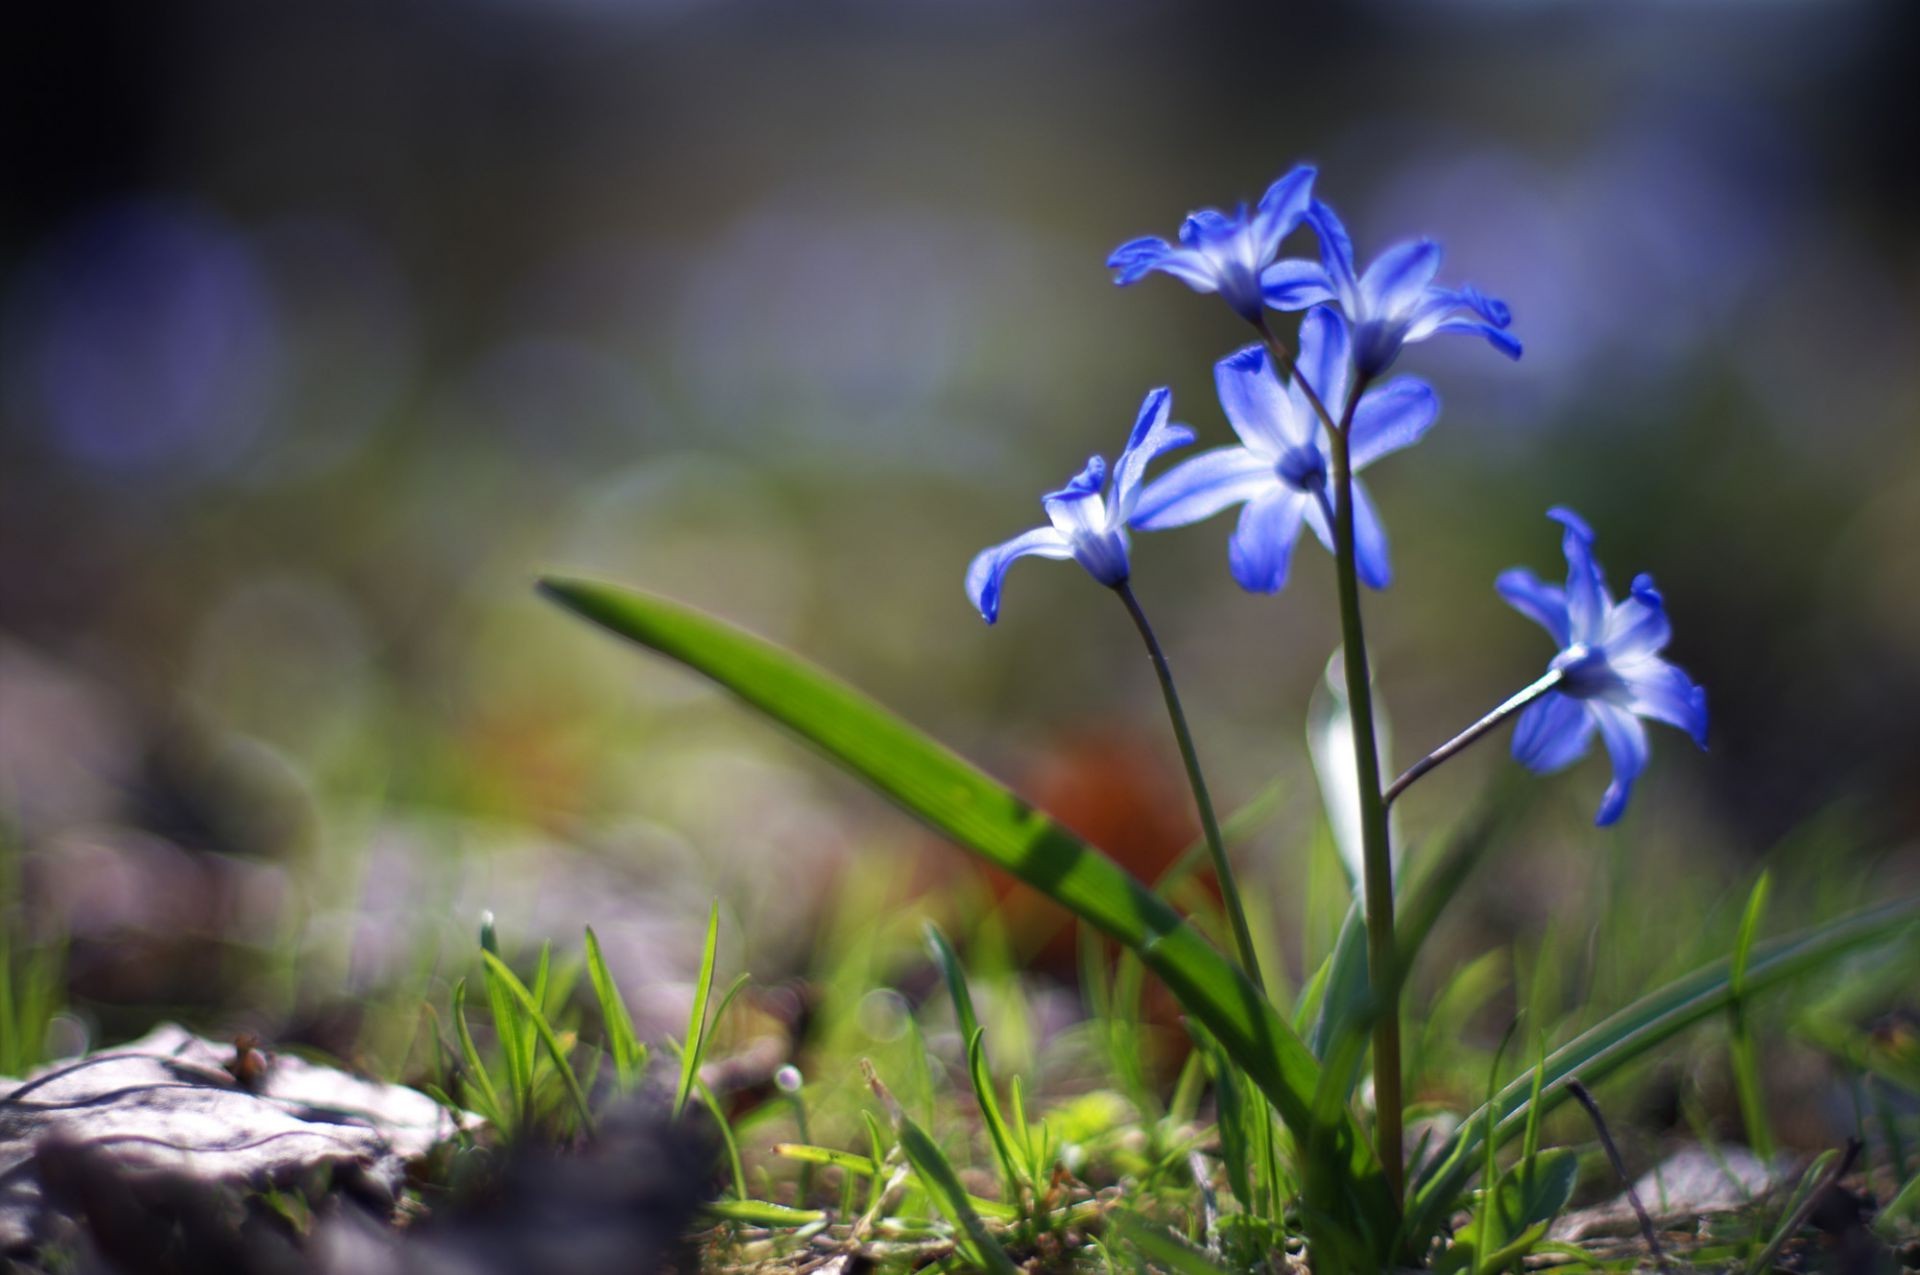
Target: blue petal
1553, 732
1586, 587
1201, 487
1501, 341
1370, 541
1396, 415
1398, 278
1281, 209
1083, 484
1136, 258
1626, 741
1492, 309
1295, 284
1076, 510
1262, 545
1336, 251
1658, 690
989, 566
1255, 405
1544, 604
1209, 225
1152, 436
1326, 351
1638, 626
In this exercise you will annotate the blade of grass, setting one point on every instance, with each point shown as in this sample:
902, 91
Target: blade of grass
959, 801
846, 1161
1740, 1047
943, 1187
697, 1020
629, 1055
1013, 1179
1640, 1027
480, 1083
544, 1030
761, 1213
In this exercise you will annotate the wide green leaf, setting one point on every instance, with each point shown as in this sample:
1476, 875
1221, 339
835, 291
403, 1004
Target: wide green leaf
960, 801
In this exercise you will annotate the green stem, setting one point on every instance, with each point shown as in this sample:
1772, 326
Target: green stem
1209, 825
1466, 738
1376, 851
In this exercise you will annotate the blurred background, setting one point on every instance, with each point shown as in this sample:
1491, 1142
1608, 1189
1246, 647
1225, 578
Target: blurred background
326, 328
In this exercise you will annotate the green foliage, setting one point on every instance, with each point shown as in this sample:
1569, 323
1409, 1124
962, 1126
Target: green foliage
1323, 1172
1343, 1182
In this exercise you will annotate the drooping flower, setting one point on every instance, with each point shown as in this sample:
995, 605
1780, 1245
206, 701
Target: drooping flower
1220, 253
1084, 524
1611, 671
1394, 303
1280, 470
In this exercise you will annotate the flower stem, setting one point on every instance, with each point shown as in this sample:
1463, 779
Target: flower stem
1460, 742
1383, 969
1209, 824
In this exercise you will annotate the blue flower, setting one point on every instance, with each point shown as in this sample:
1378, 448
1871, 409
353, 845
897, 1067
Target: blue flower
1084, 525
1394, 303
1280, 471
1223, 254
1610, 668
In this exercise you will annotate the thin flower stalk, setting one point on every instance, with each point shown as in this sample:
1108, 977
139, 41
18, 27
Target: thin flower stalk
1468, 737
1196, 779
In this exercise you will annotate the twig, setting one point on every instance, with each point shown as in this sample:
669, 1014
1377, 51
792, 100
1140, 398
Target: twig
1835, 1171
1580, 1092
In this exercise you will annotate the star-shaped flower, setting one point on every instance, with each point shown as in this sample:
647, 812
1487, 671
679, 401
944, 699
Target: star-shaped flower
1223, 254
1394, 303
1084, 525
1611, 671
1280, 471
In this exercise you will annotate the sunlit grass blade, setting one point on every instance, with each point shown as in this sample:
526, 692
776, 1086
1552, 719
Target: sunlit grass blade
762, 1213
1012, 1169
846, 1161
697, 1020
479, 1088
936, 1174
956, 980
629, 1055
958, 800
1642, 1026
727, 1139
517, 990
507, 1030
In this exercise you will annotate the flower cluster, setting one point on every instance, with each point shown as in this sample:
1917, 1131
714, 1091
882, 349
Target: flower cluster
1307, 423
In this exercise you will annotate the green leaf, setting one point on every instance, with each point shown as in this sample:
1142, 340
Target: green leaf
956, 978
480, 1084
1012, 1172
506, 978
942, 1185
629, 1055
959, 801
761, 1213
1741, 1050
697, 1020
1631, 1033
845, 1161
